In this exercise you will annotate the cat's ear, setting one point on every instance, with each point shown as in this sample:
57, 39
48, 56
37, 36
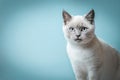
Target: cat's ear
90, 16
66, 17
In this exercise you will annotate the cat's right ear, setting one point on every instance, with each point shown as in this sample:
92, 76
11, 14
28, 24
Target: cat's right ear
90, 16
66, 17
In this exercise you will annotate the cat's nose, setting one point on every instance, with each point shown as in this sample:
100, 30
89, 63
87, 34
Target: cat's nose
78, 35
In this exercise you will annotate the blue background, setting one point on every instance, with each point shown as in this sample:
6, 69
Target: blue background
32, 46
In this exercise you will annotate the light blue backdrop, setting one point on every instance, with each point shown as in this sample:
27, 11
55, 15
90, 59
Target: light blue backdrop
32, 45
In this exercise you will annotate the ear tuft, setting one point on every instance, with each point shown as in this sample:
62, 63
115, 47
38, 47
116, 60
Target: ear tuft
66, 17
90, 16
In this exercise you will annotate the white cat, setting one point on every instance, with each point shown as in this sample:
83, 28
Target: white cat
91, 58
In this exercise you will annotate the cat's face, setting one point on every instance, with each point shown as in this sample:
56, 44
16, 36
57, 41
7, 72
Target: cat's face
79, 29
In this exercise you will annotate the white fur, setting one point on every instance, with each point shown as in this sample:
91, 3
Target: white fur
91, 59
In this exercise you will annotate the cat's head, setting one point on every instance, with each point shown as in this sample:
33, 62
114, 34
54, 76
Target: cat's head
79, 29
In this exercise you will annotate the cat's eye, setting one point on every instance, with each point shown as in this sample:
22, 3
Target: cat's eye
83, 28
71, 28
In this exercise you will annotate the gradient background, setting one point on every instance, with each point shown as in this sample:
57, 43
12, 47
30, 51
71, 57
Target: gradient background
32, 46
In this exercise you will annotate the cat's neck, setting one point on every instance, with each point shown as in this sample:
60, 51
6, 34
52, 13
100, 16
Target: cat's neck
92, 44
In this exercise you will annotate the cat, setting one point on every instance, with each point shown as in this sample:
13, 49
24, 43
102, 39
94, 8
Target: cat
91, 57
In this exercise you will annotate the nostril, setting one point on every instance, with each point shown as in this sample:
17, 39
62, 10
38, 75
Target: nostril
78, 35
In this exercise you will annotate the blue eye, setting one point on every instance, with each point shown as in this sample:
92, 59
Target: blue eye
71, 28
83, 28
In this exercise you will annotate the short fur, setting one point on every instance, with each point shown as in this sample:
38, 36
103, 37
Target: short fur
91, 57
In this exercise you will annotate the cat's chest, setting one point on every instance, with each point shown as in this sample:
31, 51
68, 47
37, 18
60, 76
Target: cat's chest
81, 55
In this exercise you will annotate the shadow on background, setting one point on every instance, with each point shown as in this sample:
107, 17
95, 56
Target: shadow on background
32, 45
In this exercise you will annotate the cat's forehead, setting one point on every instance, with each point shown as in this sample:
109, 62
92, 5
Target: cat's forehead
78, 20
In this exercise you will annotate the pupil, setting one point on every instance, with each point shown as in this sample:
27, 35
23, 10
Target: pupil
71, 28
83, 28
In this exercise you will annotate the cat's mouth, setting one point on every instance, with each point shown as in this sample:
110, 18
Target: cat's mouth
77, 39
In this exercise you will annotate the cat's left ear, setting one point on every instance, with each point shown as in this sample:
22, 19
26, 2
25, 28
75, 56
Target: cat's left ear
90, 16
